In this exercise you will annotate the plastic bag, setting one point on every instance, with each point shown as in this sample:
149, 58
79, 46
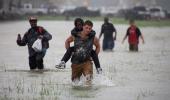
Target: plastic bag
37, 45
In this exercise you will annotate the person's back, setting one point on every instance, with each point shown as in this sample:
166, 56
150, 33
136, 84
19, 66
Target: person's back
108, 29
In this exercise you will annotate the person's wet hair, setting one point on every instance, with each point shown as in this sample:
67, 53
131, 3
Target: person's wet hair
88, 22
78, 20
106, 19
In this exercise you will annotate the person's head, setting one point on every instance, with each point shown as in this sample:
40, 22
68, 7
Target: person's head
132, 22
78, 22
106, 19
33, 21
87, 27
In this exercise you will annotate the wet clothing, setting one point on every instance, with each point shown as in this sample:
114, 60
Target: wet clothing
68, 54
36, 61
75, 30
133, 47
35, 58
95, 59
82, 49
133, 34
70, 50
108, 44
31, 36
108, 40
85, 68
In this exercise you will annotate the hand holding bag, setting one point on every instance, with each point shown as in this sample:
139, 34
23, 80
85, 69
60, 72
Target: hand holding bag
37, 45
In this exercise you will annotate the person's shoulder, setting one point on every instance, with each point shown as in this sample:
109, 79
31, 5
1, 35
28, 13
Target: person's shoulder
110, 23
128, 28
74, 32
29, 30
137, 28
103, 24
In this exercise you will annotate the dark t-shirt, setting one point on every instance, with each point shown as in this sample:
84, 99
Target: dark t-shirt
108, 29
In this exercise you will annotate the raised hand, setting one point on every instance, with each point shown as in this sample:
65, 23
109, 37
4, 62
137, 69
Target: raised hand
19, 37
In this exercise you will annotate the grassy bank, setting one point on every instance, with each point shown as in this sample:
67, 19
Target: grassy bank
114, 20
142, 23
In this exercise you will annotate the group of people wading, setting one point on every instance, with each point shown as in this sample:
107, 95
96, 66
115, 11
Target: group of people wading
81, 53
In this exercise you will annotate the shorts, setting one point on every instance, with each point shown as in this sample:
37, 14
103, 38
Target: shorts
108, 44
85, 69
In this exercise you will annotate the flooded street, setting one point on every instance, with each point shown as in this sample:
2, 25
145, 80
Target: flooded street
126, 75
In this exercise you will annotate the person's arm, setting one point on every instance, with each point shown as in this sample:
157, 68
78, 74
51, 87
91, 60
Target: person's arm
101, 32
23, 41
140, 35
124, 39
97, 45
127, 33
68, 41
115, 35
142, 38
115, 31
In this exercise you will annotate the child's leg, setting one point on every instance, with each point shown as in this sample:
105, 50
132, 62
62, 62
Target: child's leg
67, 55
95, 59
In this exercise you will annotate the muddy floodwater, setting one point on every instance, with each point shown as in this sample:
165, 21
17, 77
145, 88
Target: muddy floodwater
144, 75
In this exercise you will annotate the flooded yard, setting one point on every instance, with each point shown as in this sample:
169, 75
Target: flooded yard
144, 75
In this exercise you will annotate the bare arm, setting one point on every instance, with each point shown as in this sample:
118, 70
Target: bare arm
127, 33
100, 35
115, 32
115, 35
141, 36
97, 45
68, 41
124, 39
101, 32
